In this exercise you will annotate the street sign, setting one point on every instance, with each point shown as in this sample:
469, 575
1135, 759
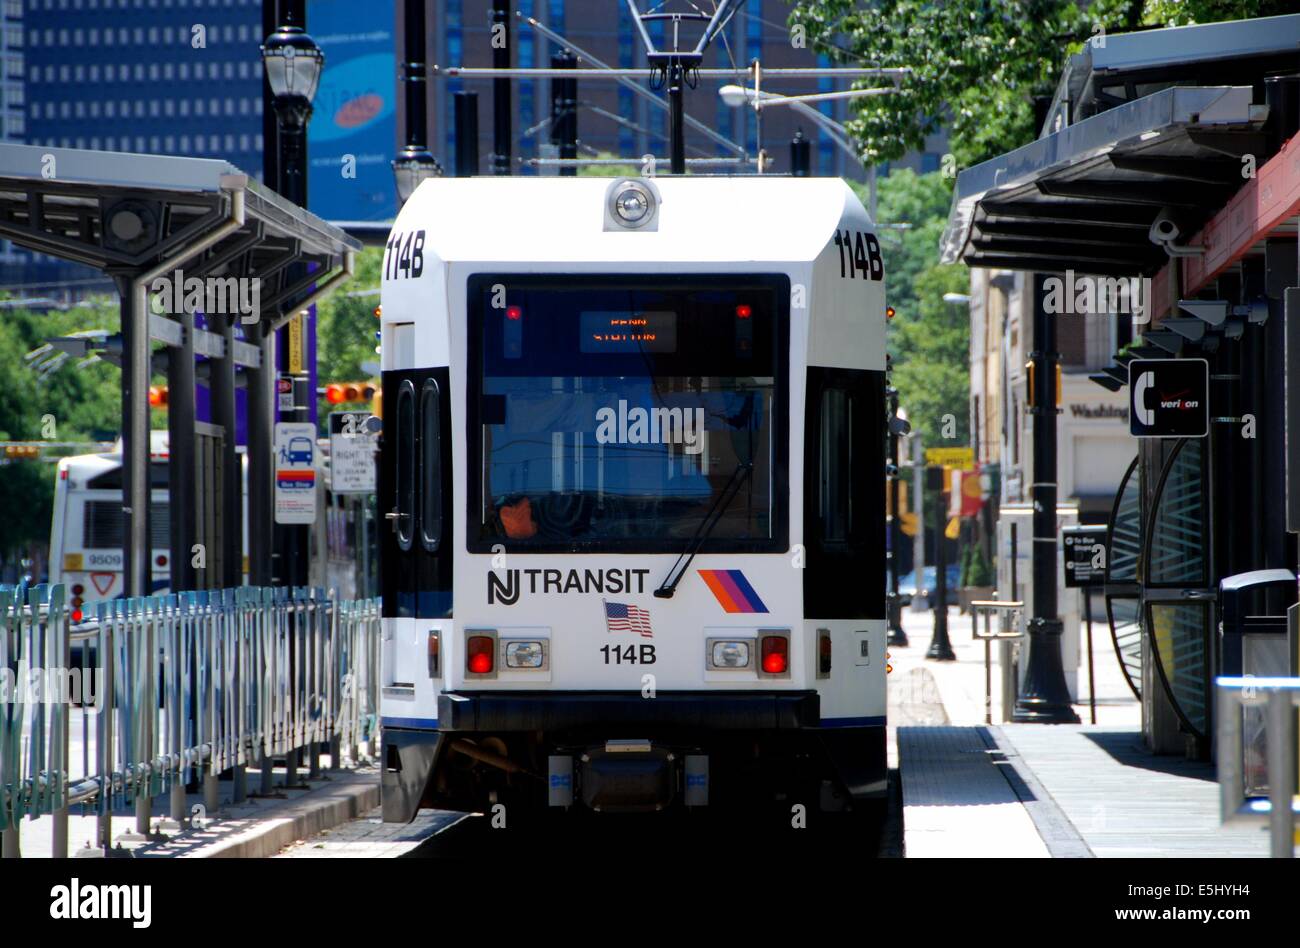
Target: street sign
284, 392
352, 453
950, 457
295, 472
1085, 555
1169, 398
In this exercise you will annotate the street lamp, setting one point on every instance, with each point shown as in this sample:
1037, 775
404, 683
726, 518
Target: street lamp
293, 64
735, 96
956, 297
414, 163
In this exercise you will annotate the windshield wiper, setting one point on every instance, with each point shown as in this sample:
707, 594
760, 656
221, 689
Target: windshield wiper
729, 492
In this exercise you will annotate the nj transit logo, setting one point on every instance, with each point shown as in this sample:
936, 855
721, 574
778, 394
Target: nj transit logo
732, 590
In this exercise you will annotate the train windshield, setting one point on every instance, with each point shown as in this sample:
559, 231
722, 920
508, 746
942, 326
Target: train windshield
612, 414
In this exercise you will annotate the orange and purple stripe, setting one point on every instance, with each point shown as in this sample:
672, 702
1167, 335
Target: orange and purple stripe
732, 590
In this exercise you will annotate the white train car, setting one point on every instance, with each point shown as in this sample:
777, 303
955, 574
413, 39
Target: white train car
632, 469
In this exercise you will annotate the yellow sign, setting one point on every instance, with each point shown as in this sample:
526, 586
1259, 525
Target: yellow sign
73, 562
297, 346
950, 457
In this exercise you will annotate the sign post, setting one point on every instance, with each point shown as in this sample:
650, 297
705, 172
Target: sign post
1085, 569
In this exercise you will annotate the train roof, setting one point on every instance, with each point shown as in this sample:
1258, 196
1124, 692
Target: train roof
547, 220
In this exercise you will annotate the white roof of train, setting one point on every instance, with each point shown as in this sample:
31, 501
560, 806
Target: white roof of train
700, 220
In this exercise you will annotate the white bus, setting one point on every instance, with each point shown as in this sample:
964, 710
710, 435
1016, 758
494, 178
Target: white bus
632, 469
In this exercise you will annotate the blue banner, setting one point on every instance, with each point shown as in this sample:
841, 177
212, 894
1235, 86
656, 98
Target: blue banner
352, 137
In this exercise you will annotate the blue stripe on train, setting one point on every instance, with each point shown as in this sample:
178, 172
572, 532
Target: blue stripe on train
422, 724
874, 721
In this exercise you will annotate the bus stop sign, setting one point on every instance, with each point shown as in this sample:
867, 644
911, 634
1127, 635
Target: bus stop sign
295, 472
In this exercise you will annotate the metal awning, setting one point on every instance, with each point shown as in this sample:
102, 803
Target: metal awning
122, 213
1084, 197
140, 218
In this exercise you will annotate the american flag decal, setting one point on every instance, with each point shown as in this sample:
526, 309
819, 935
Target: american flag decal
620, 617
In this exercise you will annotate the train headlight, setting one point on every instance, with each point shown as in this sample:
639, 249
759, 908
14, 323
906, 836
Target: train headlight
631, 204
729, 654
525, 655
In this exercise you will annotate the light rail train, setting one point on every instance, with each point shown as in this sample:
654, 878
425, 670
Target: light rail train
632, 471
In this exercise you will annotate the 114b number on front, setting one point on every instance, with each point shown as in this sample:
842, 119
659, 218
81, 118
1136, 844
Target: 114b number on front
628, 654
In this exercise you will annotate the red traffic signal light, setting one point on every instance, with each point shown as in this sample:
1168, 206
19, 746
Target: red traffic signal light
158, 396
341, 393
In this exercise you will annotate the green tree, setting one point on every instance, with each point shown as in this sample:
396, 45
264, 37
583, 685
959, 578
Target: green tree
68, 404
928, 338
977, 64
346, 326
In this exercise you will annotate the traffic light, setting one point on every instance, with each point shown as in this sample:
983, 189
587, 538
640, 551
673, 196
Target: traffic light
22, 452
1029, 371
157, 396
342, 393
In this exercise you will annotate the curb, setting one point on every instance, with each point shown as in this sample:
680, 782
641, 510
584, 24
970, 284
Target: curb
323, 808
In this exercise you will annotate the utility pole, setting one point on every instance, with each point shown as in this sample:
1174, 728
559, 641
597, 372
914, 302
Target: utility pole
501, 88
1045, 698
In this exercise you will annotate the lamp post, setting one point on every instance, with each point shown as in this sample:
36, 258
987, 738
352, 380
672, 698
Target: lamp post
414, 163
1045, 698
293, 64
898, 426
940, 646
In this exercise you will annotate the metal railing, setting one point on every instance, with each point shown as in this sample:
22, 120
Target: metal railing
155, 693
1279, 698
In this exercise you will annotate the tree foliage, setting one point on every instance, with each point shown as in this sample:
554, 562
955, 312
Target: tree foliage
69, 404
346, 326
977, 64
928, 338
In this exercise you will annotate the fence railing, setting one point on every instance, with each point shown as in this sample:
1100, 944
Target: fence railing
149, 695
1277, 699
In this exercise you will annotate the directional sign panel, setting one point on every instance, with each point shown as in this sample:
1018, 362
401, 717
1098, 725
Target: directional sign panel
352, 453
295, 472
950, 457
1169, 398
1085, 555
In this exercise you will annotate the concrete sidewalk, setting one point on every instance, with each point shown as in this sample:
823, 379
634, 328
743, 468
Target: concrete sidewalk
1028, 790
259, 826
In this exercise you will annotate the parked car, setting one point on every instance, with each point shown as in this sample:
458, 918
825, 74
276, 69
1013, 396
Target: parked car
907, 583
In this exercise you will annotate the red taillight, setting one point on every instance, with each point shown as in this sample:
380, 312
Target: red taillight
76, 615
78, 589
481, 651
160, 560
776, 654
514, 313
743, 311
